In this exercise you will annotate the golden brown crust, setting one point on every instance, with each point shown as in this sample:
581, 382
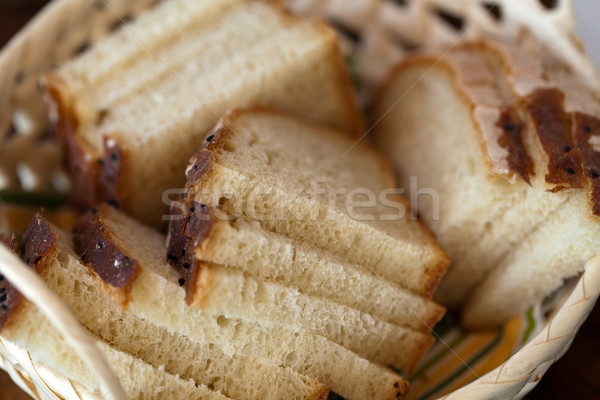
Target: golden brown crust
203, 281
322, 393
101, 252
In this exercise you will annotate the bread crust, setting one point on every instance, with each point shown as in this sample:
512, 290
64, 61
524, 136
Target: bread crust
517, 161
551, 125
190, 227
584, 128
10, 298
98, 250
37, 247
97, 177
556, 131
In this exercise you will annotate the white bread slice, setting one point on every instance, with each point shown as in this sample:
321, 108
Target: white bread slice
537, 266
221, 290
446, 100
297, 179
225, 291
236, 375
494, 194
26, 327
270, 256
30, 330
167, 331
135, 107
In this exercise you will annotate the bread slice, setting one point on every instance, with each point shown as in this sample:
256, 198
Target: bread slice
30, 330
135, 107
26, 327
510, 201
239, 376
225, 291
242, 359
243, 245
309, 183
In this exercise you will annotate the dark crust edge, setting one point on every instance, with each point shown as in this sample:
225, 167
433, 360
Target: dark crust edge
38, 244
191, 221
546, 108
192, 224
518, 159
585, 126
95, 177
10, 298
103, 255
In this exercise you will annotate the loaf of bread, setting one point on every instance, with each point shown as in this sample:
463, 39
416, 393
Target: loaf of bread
132, 109
25, 326
299, 180
506, 134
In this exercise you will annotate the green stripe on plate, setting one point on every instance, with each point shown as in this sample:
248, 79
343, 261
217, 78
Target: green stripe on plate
531, 324
464, 369
443, 353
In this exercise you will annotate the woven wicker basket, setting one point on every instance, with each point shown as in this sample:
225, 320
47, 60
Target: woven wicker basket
378, 33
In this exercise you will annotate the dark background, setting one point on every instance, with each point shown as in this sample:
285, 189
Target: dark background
576, 376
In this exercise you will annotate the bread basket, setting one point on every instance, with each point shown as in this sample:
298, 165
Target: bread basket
375, 34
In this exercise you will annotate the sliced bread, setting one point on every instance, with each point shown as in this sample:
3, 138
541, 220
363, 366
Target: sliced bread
26, 327
233, 374
314, 185
496, 129
267, 362
30, 330
228, 292
244, 245
134, 108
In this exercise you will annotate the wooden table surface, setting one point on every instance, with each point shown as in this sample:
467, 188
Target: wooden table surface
575, 377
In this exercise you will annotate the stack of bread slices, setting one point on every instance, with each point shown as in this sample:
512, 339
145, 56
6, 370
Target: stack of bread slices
28, 328
292, 267
507, 133
132, 110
